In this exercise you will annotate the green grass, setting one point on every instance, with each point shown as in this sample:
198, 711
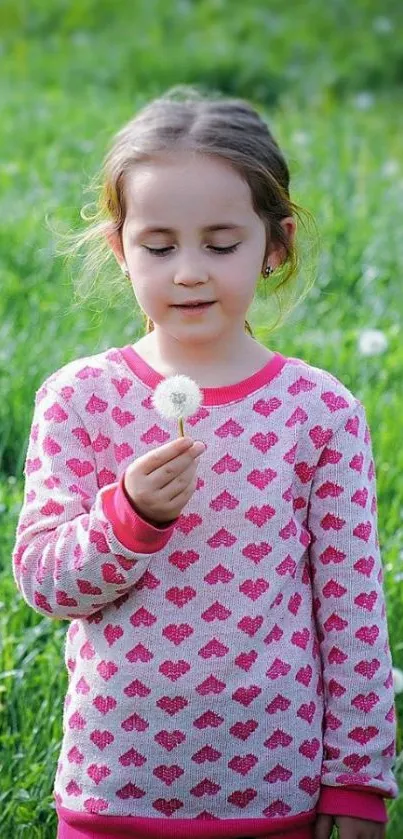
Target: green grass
71, 74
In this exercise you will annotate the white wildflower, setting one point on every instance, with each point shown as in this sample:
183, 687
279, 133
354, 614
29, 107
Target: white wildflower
364, 100
390, 168
371, 272
177, 397
11, 168
300, 138
397, 680
382, 25
372, 342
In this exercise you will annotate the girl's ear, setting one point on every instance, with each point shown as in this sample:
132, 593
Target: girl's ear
277, 255
114, 241
290, 226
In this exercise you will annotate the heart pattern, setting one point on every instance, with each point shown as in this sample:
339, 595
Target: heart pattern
168, 774
195, 649
207, 753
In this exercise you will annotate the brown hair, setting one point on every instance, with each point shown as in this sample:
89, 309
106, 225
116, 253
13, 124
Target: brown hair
183, 118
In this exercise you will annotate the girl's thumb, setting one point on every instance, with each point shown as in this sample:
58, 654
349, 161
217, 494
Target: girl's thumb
323, 826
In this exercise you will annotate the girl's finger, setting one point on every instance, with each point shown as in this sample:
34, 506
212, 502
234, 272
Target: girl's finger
323, 826
163, 454
166, 475
179, 485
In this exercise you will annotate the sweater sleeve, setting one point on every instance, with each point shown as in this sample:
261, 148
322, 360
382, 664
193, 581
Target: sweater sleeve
79, 543
349, 606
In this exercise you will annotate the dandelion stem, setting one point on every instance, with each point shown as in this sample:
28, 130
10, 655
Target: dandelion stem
181, 431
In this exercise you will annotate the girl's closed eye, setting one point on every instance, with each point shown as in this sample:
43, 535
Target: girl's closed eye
166, 250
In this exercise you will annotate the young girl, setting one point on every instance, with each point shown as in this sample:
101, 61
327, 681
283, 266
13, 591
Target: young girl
227, 653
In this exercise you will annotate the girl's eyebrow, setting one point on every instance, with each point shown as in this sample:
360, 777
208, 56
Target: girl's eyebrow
210, 228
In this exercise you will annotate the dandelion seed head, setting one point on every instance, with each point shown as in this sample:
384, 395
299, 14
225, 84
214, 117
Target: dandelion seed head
177, 397
372, 342
397, 680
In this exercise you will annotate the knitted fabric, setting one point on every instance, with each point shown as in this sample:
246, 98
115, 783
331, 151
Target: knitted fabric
234, 664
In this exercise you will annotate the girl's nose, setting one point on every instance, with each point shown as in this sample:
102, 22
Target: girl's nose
190, 270
190, 277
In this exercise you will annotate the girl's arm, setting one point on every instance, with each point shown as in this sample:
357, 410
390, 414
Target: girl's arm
359, 724
79, 542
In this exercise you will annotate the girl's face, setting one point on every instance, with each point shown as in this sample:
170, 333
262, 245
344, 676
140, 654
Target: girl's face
191, 233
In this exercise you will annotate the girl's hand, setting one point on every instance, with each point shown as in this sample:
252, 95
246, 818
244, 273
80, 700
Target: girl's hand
162, 481
348, 828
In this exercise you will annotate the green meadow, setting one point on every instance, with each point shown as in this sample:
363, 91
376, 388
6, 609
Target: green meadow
328, 79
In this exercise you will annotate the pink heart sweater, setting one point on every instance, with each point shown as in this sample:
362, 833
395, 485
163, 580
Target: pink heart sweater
229, 673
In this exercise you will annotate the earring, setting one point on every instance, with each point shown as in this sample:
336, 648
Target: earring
125, 269
269, 270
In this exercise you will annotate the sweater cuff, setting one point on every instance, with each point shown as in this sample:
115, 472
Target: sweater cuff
132, 531
362, 804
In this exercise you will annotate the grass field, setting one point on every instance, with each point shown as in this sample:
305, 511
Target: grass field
328, 78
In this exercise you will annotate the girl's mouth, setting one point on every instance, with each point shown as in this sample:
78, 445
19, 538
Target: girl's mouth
195, 307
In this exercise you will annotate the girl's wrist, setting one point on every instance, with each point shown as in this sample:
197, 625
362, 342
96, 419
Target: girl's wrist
152, 522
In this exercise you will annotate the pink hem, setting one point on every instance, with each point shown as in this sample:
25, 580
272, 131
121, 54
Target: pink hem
79, 825
211, 395
362, 804
129, 528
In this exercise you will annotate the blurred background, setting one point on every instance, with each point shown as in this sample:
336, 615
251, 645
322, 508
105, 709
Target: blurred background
328, 79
